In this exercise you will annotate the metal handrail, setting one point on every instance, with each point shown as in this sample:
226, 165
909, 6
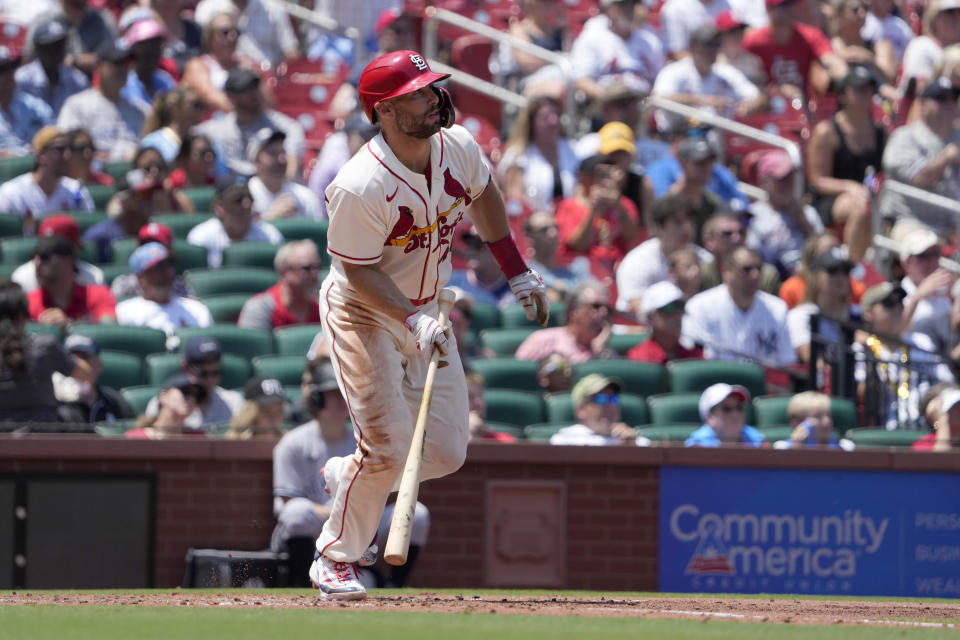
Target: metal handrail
481, 86
922, 195
885, 243
324, 22
435, 15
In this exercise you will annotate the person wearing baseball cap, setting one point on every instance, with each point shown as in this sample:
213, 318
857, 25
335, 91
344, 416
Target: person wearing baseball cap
48, 76
177, 400
59, 224
596, 403
46, 189
723, 411
159, 307
943, 415
88, 401
147, 79
662, 307
927, 284
262, 413
21, 114
274, 196
829, 296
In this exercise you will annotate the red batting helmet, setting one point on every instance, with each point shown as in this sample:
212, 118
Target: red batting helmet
394, 74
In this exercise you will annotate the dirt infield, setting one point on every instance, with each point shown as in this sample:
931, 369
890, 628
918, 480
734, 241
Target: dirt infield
783, 611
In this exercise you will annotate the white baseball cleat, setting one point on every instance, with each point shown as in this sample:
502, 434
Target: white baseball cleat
336, 580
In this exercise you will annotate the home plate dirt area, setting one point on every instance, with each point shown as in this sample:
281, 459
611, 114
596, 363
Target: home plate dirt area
781, 611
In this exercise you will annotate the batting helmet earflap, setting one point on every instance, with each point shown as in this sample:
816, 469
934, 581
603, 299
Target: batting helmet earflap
394, 74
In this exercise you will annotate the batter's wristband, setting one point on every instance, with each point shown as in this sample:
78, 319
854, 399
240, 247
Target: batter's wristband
508, 256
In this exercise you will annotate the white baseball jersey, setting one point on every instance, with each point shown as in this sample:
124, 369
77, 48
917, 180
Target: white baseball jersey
383, 213
22, 195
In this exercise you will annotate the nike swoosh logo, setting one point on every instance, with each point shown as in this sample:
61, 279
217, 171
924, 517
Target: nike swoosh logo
394, 195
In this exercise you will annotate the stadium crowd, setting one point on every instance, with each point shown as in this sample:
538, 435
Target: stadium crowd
162, 216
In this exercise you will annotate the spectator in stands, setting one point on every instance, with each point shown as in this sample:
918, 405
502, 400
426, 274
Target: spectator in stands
796, 57
555, 373
543, 241
828, 294
262, 413
539, 147
586, 334
482, 278
60, 299
941, 28
955, 323
686, 270
232, 133
81, 166
723, 411
596, 403
479, 431
662, 308
46, 189
265, 29
302, 495
158, 306
648, 263
722, 233
59, 224
49, 77
809, 415
618, 145
233, 221
598, 221
793, 289
737, 321
87, 29
184, 38
27, 362
781, 224
607, 51
697, 156
542, 23
177, 400
293, 300
274, 196
195, 165
926, 154
21, 114
680, 20
127, 285
146, 80
148, 180
844, 152
732, 30
208, 73
114, 122
699, 80
944, 409
875, 56
202, 362
884, 23
620, 103
88, 401
131, 212
337, 149
927, 284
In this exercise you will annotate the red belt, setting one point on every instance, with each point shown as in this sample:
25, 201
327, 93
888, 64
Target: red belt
422, 301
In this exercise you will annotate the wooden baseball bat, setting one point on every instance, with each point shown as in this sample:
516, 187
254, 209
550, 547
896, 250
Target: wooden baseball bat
401, 526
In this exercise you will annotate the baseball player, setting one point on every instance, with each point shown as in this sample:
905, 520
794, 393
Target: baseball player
393, 209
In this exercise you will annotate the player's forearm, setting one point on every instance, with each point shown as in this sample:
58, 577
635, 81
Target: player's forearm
489, 215
376, 288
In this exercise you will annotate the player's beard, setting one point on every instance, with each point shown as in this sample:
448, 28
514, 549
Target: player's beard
416, 126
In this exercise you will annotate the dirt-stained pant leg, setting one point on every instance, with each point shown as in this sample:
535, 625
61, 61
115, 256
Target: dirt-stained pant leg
382, 376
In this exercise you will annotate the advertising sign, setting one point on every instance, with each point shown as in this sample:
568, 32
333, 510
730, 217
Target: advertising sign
809, 531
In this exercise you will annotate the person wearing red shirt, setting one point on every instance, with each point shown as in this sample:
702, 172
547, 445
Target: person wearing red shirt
662, 305
60, 299
789, 50
598, 221
944, 410
293, 300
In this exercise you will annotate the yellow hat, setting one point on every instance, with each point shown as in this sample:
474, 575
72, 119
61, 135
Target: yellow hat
616, 136
44, 137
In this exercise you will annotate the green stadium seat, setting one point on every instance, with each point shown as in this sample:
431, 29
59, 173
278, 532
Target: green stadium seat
669, 433
16, 250
11, 225
504, 342
295, 340
180, 223
697, 375
245, 342
161, 366
484, 316
513, 407
86, 219
865, 437
623, 342
503, 427
776, 432
305, 229
287, 369
185, 255
45, 329
641, 378
138, 397
114, 429
15, 166
226, 308
291, 393
541, 431
507, 373
111, 271
117, 170
673, 408
139, 340
250, 254
772, 410
201, 197
212, 282
6, 270
101, 194
121, 369
559, 409
512, 316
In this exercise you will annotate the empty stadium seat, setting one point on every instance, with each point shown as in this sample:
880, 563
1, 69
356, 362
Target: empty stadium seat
559, 409
772, 410
697, 375
181, 223
161, 366
250, 254
295, 340
101, 194
641, 378
226, 308
484, 316
11, 225
139, 340
863, 437
233, 339
512, 316
211, 282
12, 167
513, 407
504, 342
304, 229
287, 369
121, 369
138, 397
507, 373
16, 250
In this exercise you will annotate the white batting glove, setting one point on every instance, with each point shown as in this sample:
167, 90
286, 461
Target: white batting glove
428, 332
529, 289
